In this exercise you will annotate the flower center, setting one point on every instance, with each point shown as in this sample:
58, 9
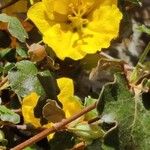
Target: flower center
77, 16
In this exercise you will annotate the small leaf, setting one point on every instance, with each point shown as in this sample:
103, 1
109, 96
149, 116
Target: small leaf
8, 115
52, 112
21, 52
8, 54
14, 27
24, 80
93, 113
3, 141
8, 66
87, 131
2, 136
4, 52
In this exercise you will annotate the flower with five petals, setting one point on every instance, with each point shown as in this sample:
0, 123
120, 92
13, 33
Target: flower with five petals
74, 28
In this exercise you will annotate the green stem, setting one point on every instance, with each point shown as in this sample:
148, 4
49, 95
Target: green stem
54, 128
134, 75
144, 54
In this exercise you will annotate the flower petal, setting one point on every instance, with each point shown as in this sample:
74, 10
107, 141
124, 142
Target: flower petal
49, 125
57, 9
71, 103
37, 14
63, 41
102, 29
59, 6
28, 104
66, 88
103, 16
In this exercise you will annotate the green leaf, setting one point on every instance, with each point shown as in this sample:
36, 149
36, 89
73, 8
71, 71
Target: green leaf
8, 66
3, 141
24, 80
88, 132
4, 52
21, 52
14, 27
141, 126
119, 106
8, 115
129, 113
93, 113
144, 29
2, 136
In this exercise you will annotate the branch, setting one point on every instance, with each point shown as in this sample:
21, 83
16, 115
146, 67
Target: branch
8, 4
54, 128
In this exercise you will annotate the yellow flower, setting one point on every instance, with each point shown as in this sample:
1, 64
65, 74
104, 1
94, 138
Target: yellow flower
71, 104
74, 28
28, 104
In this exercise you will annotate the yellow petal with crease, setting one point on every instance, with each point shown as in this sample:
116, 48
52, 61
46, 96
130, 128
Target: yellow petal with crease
71, 103
38, 15
28, 104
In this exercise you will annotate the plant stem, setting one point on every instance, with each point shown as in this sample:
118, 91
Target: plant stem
144, 54
55, 127
134, 75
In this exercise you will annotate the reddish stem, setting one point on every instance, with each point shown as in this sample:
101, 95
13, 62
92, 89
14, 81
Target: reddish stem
53, 129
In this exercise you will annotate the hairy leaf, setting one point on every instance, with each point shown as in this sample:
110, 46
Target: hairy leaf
93, 113
14, 27
24, 80
128, 112
8, 115
21, 52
